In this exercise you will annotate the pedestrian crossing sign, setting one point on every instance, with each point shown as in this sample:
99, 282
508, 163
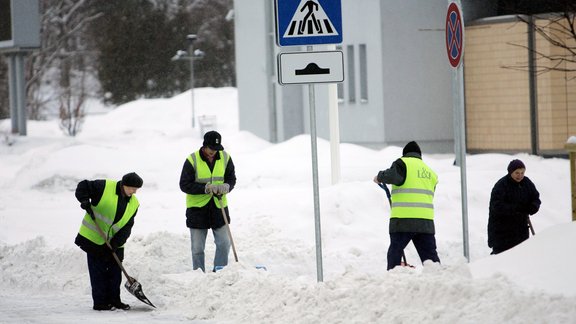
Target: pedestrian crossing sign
308, 22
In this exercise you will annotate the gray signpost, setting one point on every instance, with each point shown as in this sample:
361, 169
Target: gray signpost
455, 51
303, 22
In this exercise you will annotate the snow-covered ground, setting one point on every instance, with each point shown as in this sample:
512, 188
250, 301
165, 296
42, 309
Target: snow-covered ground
44, 277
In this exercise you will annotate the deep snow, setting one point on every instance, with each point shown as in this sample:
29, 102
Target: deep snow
44, 279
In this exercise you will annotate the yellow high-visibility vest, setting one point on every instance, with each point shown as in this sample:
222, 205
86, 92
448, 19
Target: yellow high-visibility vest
104, 213
204, 175
414, 198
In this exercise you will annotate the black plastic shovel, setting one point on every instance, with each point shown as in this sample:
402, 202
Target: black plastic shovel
131, 284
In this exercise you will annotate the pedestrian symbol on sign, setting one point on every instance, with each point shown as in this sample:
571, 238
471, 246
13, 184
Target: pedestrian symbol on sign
310, 20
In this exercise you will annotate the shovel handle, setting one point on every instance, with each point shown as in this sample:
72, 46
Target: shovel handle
530, 226
219, 197
385, 187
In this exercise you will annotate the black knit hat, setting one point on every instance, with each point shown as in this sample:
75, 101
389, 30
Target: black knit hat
213, 140
132, 180
514, 165
411, 147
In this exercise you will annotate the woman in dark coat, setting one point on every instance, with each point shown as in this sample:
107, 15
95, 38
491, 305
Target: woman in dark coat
514, 197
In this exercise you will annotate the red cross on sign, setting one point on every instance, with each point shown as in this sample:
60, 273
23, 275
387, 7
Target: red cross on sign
454, 34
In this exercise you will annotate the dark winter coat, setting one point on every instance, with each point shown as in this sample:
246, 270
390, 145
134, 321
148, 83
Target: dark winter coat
511, 203
396, 175
93, 191
208, 216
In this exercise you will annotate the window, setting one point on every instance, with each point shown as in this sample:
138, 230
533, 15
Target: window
363, 74
351, 74
5, 21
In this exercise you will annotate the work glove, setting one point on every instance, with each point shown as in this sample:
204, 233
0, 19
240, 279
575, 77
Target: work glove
223, 189
533, 208
85, 204
113, 246
211, 189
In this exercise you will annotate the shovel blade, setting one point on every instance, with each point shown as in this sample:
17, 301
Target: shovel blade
135, 288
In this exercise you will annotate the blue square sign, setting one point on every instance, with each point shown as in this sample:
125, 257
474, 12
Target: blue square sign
308, 22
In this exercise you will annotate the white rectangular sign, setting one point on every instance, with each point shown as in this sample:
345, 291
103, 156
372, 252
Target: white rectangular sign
310, 67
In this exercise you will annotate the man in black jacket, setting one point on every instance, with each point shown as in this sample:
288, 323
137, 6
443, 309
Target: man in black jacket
207, 174
514, 197
110, 205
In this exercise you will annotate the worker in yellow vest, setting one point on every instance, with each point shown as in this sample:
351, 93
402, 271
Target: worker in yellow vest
113, 206
412, 209
207, 173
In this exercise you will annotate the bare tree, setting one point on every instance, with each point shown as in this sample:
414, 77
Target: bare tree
559, 30
64, 57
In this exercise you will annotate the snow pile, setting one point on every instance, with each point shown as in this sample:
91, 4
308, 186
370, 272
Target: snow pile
44, 279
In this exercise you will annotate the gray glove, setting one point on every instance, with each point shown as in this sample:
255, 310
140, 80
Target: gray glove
211, 189
223, 189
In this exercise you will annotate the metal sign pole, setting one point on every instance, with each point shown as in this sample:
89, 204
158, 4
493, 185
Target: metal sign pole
295, 22
318, 234
455, 49
21, 93
458, 95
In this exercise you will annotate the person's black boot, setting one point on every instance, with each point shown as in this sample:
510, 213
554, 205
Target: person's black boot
121, 305
102, 307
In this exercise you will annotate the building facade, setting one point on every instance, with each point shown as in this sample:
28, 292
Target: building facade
398, 82
514, 103
397, 76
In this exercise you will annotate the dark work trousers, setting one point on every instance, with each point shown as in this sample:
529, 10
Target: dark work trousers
425, 246
105, 278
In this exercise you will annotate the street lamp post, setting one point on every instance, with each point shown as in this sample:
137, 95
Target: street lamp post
190, 55
191, 38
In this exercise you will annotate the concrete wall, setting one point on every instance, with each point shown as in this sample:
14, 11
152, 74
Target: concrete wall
254, 66
417, 74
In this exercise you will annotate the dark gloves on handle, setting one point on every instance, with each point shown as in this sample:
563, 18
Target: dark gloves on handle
533, 208
85, 204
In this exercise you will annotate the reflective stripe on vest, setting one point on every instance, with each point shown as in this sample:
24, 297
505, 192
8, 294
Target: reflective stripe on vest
204, 175
104, 214
414, 199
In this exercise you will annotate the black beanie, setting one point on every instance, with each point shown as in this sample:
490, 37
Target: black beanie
132, 180
514, 165
411, 147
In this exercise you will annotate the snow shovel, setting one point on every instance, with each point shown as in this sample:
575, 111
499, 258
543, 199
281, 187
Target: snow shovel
131, 284
404, 263
219, 197
225, 216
